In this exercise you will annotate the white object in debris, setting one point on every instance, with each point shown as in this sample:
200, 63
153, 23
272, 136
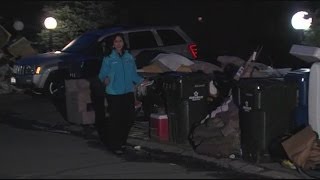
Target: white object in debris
147, 83
137, 147
142, 88
306, 53
212, 89
232, 156
13, 80
223, 108
172, 61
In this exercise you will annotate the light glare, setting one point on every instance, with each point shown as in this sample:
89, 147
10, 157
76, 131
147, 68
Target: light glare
50, 23
299, 22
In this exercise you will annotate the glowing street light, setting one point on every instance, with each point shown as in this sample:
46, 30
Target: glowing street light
50, 23
299, 21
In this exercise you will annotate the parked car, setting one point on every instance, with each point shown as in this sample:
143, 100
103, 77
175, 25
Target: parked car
45, 73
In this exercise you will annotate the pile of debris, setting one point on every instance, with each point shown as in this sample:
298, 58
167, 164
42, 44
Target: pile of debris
160, 62
219, 134
11, 49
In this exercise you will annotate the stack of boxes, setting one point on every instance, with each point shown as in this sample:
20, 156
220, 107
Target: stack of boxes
78, 102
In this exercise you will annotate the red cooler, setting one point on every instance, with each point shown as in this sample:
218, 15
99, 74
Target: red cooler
159, 127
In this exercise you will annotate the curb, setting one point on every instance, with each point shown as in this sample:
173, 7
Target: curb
234, 164
265, 170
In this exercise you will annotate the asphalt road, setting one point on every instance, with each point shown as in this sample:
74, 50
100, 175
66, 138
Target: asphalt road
31, 146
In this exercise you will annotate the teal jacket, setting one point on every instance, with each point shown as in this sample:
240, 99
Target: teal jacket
121, 71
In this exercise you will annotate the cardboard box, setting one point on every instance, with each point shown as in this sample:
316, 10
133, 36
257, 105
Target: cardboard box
171, 61
77, 101
298, 146
78, 111
74, 85
159, 127
152, 68
21, 48
184, 68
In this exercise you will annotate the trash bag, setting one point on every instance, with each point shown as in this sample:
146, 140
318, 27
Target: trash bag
276, 150
219, 134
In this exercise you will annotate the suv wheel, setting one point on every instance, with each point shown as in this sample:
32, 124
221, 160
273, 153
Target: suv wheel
55, 86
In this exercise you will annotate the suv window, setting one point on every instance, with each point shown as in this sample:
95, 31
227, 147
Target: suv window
142, 39
170, 37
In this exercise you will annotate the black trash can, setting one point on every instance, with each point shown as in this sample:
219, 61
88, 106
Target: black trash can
266, 113
186, 102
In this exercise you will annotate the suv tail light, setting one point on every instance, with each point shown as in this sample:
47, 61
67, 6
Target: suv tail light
192, 47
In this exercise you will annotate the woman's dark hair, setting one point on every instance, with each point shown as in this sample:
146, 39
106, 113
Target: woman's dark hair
108, 44
122, 37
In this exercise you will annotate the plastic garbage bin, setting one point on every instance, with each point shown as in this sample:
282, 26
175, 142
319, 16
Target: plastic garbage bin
186, 102
301, 77
266, 109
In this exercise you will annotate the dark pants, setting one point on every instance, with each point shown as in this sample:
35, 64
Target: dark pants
121, 118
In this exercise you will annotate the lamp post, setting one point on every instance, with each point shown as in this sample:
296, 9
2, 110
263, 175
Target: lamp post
50, 23
299, 22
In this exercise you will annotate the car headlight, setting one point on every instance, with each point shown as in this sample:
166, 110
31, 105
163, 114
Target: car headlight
38, 69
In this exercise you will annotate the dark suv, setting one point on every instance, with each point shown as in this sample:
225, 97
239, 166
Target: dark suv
46, 72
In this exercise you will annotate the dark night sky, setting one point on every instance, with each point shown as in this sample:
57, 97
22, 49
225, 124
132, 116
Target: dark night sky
229, 27
29, 12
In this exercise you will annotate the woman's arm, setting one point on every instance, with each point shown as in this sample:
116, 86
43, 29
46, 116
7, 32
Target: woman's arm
104, 70
137, 79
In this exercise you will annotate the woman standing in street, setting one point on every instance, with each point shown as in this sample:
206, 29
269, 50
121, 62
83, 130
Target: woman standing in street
119, 74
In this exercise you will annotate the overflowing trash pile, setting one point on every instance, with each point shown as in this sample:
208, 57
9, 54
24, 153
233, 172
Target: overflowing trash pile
219, 133
160, 62
222, 133
11, 49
